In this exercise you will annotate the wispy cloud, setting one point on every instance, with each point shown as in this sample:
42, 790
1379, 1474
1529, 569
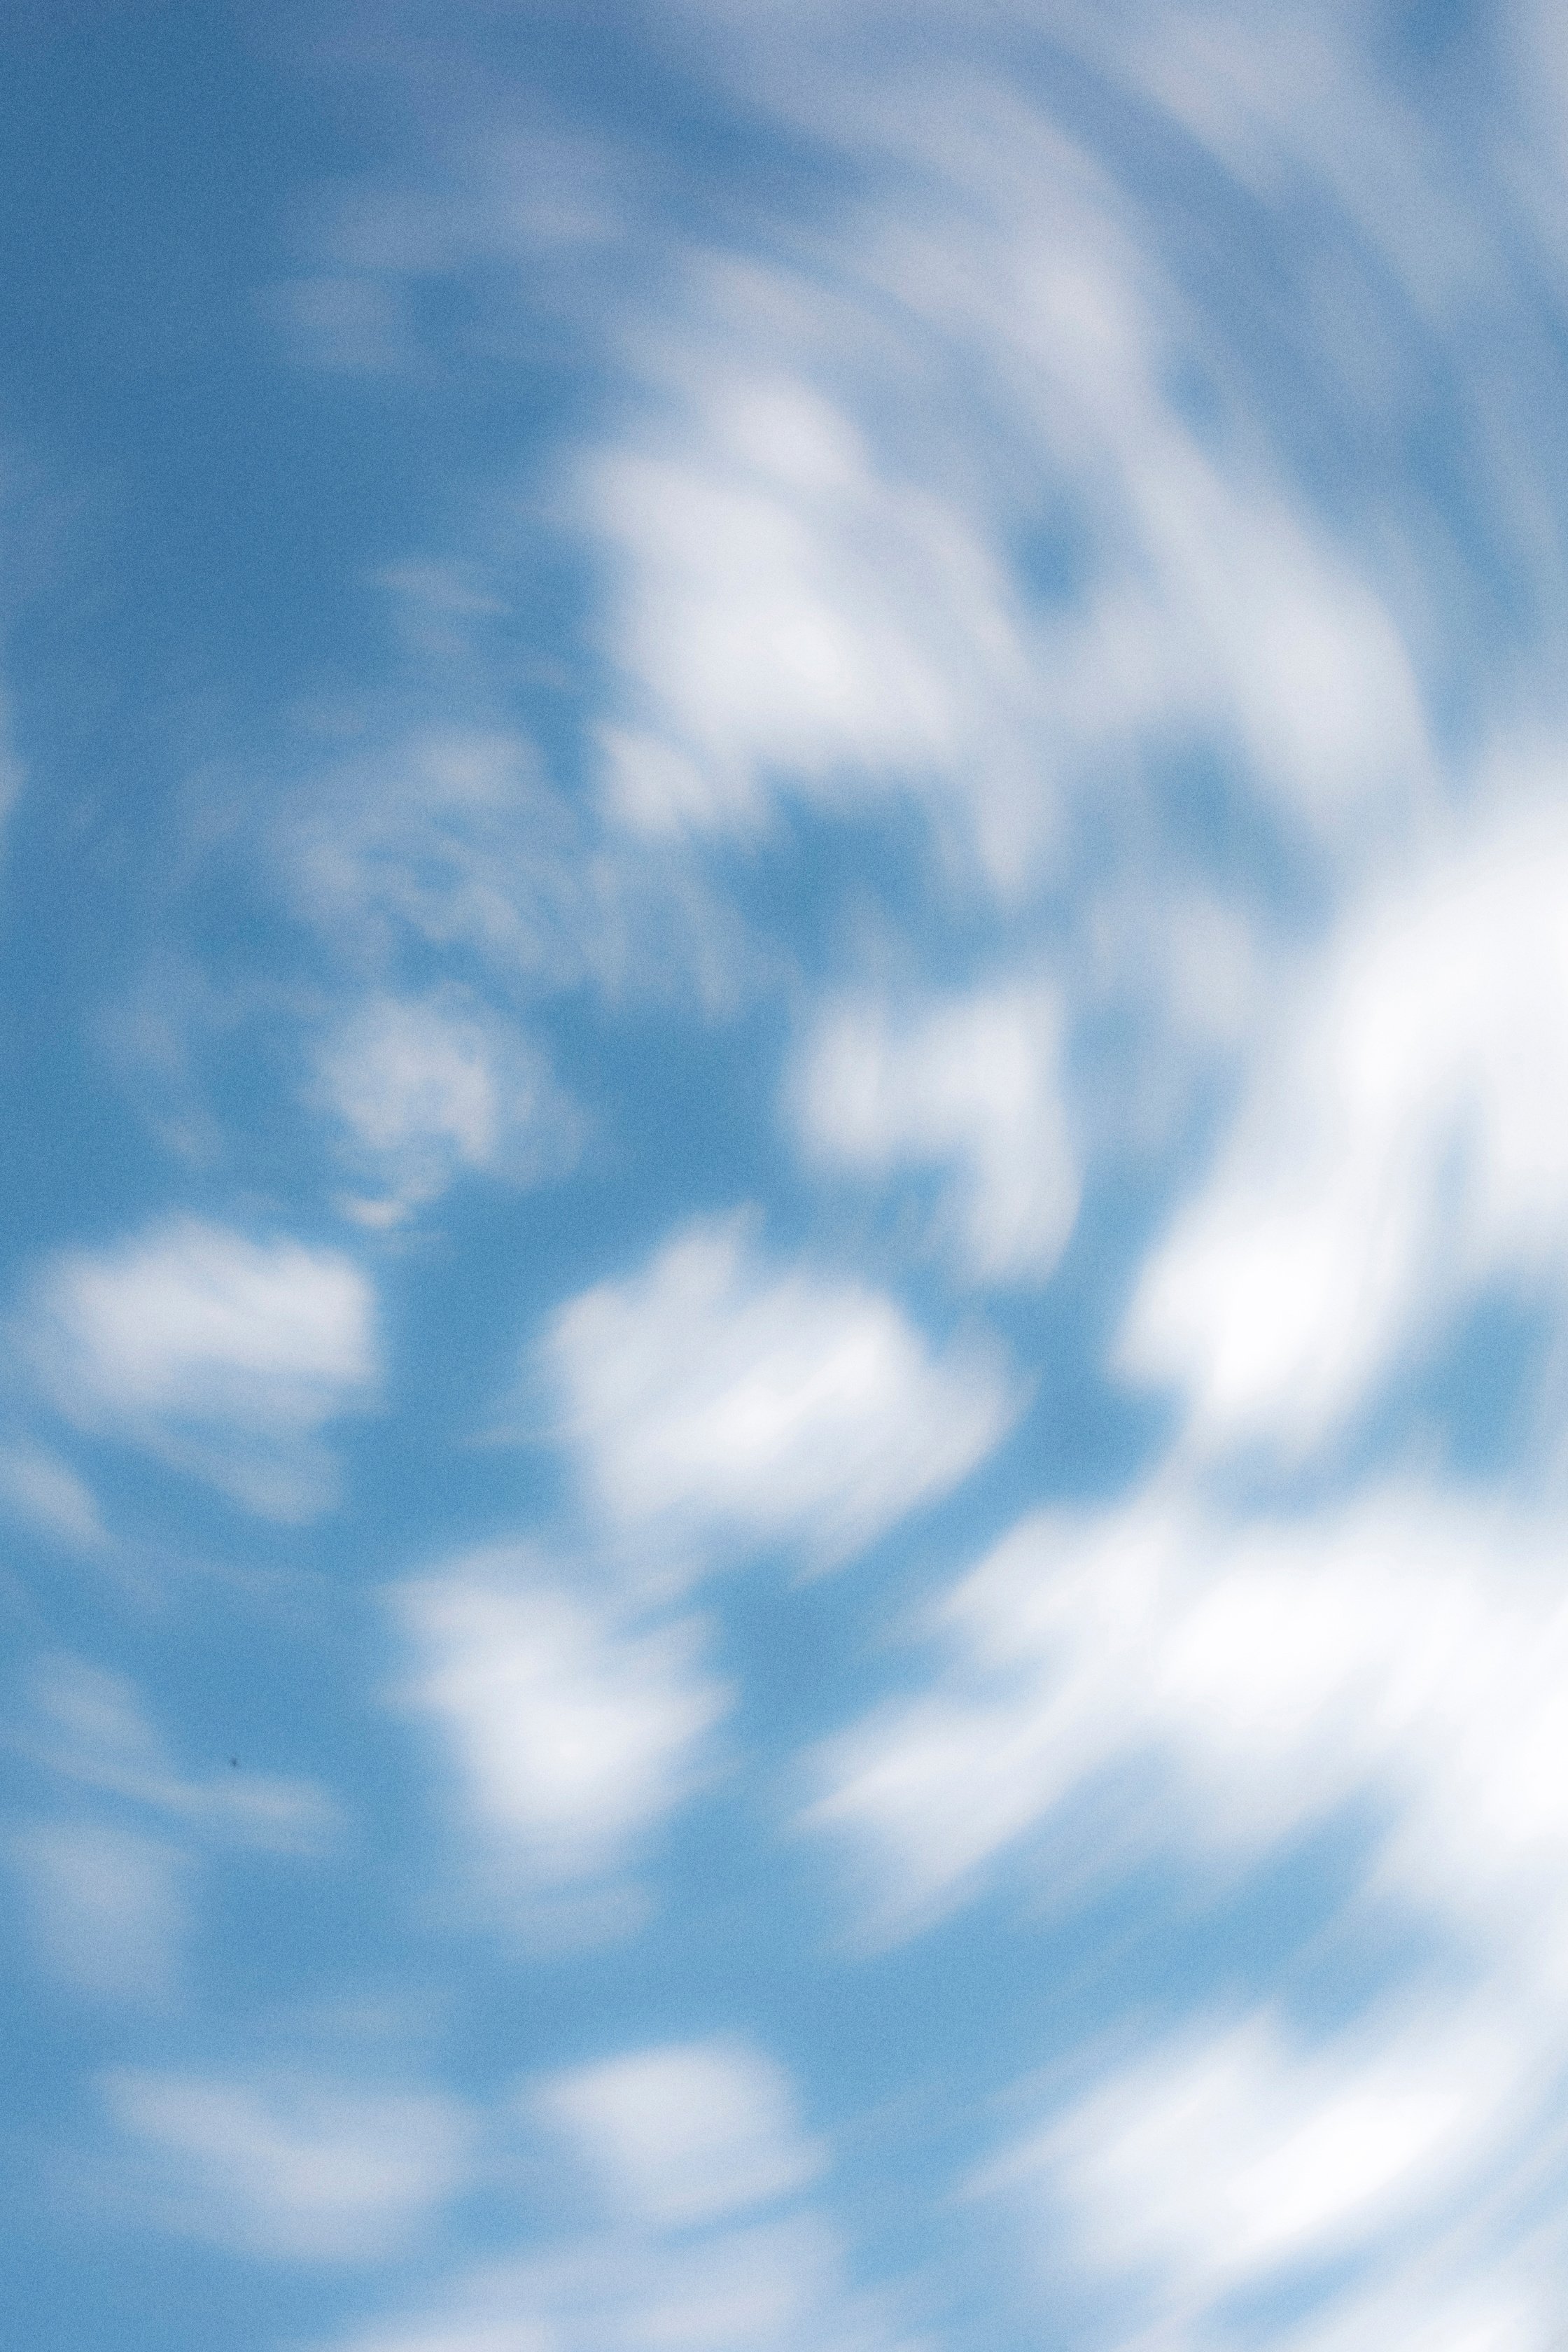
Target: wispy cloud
970, 1084
1398, 1153
718, 1399
225, 1356
1403, 1649
293, 2170
107, 1905
688, 2134
575, 1729
427, 1090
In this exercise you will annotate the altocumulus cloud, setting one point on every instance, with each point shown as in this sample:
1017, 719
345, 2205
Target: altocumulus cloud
871, 857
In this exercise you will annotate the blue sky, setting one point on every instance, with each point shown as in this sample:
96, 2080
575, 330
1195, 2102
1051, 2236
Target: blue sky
786, 1270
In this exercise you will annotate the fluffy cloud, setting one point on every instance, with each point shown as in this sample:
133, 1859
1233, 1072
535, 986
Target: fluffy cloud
450, 840
427, 1090
716, 1399
224, 1356
969, 1084
687, 2134
575, 1732
290, 2170
826, 577
1401, 1150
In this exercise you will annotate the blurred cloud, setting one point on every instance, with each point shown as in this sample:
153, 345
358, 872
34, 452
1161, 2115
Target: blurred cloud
289, 2170
345, 325
717, 1399
427, 1089
450, 840
969, 1084
1238, 2155
106, 1905
687, 2134
1401, 1148
776, 2287
575, 1730
686, 2145
87, 1725
224, 1356
38, 1486
784, 607
1404, 1650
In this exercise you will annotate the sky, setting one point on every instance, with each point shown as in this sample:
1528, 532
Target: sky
783, 1440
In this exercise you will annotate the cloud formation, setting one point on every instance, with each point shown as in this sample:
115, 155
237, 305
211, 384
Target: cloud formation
972, 1084
225, 1357
691, 2133
1399, 1151
427, 1090
575, 1729
291, 2171
716, 1399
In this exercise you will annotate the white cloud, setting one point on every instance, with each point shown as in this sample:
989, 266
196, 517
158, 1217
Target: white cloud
89, 1726
1260, 1676
1400, 1149
451, 838
971, 1084
291, 2169
715, 1398
689, 2133
427, 1090
1238, 2154
106, 1907
222, 1355
778, 2286
42, 1488
817, 587
785, 605
574, 1731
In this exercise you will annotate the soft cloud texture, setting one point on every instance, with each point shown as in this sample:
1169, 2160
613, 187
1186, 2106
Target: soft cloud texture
1401, 1150
1158, 1676
89, 1726
972, 1084
718, 1400
688, 2134
575, 1731
289, 2170
225, 1356
779, 2287
106, 1907
428, 1089
1237, 2155
685, 2146
42, 1488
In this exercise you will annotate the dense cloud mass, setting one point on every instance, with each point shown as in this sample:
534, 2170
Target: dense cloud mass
786, 1261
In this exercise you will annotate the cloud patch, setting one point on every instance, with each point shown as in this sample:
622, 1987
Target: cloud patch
969, 1085
688, 2134
718, 1402
289, 2170
575, 1731
427, 1090
223, 1356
